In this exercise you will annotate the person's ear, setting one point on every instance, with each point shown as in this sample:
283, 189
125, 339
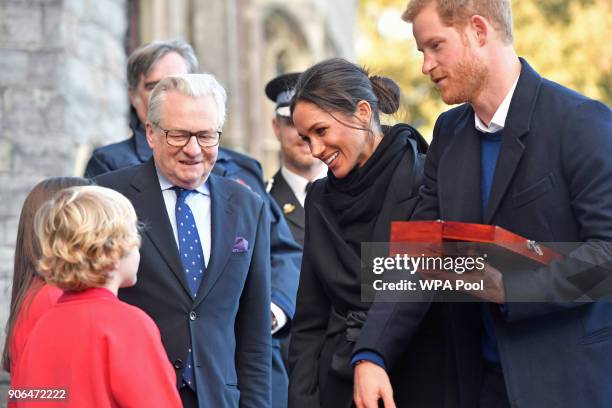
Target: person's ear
150, 135
481, 29
110, 271
135, 99
276, 128
363, 112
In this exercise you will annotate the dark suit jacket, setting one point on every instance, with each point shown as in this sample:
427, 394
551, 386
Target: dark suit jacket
286, 256
228, 323
282, 194
553, 183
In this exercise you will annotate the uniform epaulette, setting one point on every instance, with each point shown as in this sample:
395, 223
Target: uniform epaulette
269, 184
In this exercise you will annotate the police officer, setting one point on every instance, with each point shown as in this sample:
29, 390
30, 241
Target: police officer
298, 167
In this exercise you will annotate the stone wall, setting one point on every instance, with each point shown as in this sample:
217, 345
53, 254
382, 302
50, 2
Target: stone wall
62, 90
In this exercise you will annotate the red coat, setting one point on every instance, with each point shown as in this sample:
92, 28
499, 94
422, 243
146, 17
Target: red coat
39, 299
104, 352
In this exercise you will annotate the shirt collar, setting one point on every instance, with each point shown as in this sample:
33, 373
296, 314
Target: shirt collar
498, 121
165, 184
295, 181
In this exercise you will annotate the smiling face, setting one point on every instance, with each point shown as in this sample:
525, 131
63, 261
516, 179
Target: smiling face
339, 145
449, 58
187, 167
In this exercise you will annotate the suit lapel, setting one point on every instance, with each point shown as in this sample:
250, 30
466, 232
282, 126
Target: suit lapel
516, 127
459, 187
283, 194
510, 154
223, 234
149, 201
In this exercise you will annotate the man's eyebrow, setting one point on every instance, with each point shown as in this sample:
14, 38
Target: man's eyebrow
152, 83
429, 41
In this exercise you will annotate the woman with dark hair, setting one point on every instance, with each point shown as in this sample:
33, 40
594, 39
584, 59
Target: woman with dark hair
374, 175
30, 296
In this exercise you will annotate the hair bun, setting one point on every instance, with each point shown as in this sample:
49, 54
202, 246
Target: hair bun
387, 92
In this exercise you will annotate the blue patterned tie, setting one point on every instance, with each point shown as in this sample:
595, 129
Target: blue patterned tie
194, 265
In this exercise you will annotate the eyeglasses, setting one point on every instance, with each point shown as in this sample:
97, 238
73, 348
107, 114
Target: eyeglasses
180, 138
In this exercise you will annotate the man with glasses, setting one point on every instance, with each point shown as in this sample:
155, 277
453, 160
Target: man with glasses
204, 274
148, 65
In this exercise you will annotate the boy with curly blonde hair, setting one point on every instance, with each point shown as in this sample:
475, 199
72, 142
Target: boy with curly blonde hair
92, 347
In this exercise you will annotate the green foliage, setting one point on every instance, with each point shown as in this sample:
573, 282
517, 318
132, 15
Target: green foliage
559, 10
567, 41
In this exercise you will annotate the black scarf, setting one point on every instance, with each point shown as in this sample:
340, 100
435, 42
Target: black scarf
357, 199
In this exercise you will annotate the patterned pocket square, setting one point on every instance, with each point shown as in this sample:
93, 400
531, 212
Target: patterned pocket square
240, 245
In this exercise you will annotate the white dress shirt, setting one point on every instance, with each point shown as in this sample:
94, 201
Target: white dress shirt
297, 183
199, 203
498, 121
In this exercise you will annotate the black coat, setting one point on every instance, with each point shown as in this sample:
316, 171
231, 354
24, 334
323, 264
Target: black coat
319, 358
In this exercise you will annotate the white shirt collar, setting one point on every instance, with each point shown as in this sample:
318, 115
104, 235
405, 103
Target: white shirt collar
498, 121
297, 183
165, 184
